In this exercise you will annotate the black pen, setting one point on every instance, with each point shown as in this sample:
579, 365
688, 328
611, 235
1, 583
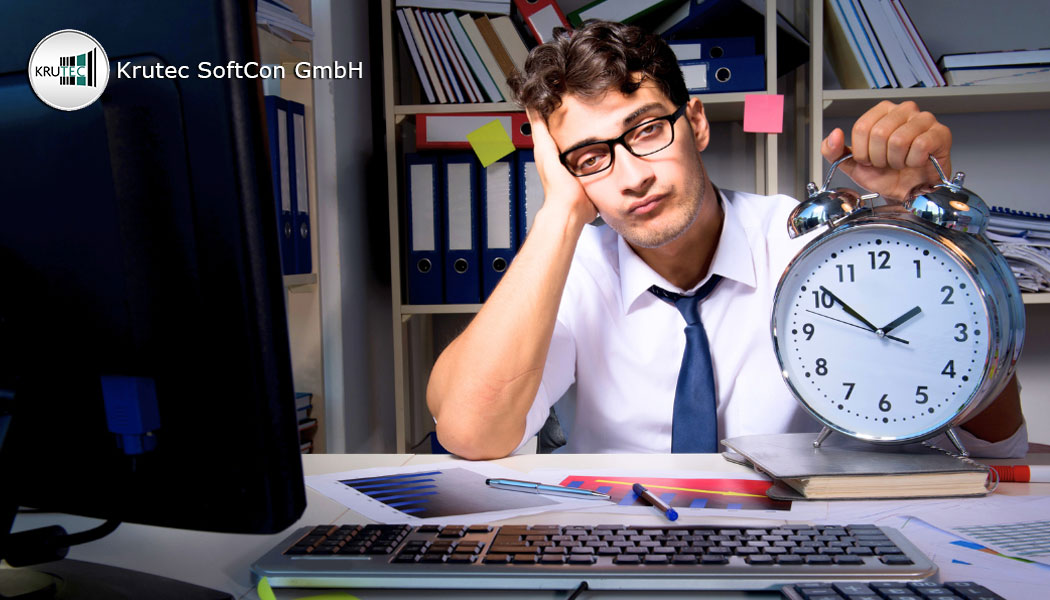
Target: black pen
644, 494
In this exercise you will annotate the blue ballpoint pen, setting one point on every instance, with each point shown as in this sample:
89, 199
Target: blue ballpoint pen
644, 494
543, 488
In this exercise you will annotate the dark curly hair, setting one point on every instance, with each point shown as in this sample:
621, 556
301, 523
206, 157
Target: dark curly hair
593, 59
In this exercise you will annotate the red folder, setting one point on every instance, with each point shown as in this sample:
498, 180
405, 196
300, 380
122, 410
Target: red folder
450, 130
542, 16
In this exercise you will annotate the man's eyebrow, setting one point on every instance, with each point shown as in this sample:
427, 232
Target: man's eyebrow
644, 110
627, 121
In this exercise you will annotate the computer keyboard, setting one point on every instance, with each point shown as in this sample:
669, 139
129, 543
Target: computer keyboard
889, 590
624, 557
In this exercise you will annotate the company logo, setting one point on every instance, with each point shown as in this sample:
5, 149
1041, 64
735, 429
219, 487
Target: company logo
68, 70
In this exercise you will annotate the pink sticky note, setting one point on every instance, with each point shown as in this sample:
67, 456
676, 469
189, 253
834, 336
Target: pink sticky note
764, 113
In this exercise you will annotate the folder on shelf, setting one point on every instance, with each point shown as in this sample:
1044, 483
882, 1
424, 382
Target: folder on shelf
713, 48
300, 186
459, 65
529, 192
460, 235
488, 33
425, 54
473, 58
541, 17
487, 57
744, 74
277, 123
498, 227
424, 273
449, 131
417, 57
620, 11
445, 71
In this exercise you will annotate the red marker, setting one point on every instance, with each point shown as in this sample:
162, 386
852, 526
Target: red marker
1023, 473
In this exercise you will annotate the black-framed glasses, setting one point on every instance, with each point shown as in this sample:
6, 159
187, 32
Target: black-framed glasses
643, 139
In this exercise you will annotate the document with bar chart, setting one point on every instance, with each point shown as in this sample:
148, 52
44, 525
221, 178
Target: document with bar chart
446, 493
712, 493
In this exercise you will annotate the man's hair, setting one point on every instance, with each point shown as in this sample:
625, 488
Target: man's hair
598, 57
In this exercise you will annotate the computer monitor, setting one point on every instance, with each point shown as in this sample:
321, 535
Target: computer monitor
141, 275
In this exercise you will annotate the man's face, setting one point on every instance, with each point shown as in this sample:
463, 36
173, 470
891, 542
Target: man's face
650, 200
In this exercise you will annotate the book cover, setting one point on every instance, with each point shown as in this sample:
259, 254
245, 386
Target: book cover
845, 468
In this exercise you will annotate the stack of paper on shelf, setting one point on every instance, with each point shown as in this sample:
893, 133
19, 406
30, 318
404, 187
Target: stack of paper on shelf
1024, 239
874, 44
464, 58
844, 468
282, 21
996, 68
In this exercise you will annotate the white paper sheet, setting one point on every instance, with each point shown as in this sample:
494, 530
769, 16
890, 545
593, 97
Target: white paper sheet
451, 492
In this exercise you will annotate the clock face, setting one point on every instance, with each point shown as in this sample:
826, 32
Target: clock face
881, 332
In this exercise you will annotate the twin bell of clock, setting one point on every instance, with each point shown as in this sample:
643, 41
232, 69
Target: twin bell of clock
897, 321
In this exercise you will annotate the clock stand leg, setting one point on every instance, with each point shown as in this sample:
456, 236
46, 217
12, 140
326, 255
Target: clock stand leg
954, 439
823, 435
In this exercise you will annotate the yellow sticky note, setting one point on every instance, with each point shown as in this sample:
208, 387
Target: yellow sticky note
490, 142
266, 593
264, 590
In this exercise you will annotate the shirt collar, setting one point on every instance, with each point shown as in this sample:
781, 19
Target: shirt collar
733, 259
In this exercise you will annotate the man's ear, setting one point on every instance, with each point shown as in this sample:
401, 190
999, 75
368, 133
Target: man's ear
694, 111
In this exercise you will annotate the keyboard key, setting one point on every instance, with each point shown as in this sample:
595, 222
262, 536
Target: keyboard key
896, 559
582, 559
628, 559
972, 591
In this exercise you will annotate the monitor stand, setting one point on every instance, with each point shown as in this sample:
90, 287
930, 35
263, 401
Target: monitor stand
69, 579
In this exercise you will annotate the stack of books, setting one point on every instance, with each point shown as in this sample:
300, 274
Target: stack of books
1024, 239
467, 58
996, 68
281, 20
873, 44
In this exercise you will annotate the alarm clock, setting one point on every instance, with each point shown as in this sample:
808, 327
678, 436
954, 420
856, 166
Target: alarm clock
898, 321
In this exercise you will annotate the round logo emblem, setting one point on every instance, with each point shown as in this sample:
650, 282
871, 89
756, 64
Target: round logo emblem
68, 70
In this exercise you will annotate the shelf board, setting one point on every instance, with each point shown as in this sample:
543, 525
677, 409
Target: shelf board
439, 309
1036, 298
717, 107
299, 281
941, 100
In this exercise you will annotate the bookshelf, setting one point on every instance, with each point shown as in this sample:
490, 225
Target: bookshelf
302, 293
413, 326
823, 104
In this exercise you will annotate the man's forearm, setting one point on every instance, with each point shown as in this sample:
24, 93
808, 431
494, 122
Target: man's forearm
484, 382
1000, 419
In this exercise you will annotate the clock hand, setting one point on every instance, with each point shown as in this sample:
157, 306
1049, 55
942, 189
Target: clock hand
901, 320
894, 338
849, 309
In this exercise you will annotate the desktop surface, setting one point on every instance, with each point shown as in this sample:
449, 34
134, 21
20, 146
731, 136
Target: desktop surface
222, 561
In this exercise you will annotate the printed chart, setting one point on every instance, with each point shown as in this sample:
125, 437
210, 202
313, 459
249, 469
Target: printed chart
1028, 540
442, 493
731, 494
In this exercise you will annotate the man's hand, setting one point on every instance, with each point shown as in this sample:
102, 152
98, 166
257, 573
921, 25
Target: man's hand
891, 145
559, 186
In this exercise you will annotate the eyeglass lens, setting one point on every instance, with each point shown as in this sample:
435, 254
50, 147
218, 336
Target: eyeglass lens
642, 140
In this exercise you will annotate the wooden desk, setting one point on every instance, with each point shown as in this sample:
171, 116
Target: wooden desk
221, 561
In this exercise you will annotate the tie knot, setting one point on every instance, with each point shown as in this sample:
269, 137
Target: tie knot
689, 306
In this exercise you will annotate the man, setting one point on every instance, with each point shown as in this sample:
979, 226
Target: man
617, 135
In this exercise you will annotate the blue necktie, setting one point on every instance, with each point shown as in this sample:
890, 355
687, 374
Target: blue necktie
695, 424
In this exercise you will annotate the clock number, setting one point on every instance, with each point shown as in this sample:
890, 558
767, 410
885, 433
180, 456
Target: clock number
808, 329
949, 369
884, 255
962, 337
822, 366
849, 391
884, 404
823, 298
921, 397
948, 291
842, 273
918, 268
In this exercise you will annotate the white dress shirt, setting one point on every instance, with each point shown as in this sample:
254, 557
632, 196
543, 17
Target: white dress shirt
622, 346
